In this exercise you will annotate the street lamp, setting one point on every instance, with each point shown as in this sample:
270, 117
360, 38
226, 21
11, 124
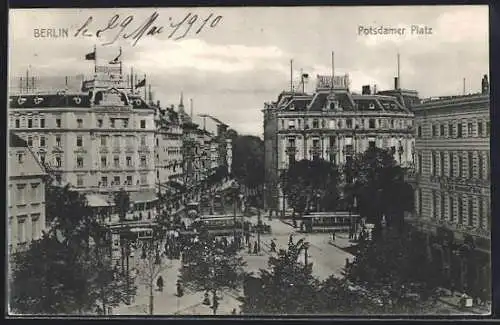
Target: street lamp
235, 188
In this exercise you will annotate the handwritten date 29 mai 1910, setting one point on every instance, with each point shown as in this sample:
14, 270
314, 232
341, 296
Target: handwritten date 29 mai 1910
125, 27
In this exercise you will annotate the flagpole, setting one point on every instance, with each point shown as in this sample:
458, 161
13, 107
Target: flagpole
95, 59
145, 88
132, 79
120, 61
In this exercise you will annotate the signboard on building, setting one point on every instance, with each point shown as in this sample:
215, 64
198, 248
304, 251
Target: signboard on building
339, 82
108, 70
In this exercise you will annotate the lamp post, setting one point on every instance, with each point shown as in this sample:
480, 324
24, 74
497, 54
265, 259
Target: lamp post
235, 188
400, 152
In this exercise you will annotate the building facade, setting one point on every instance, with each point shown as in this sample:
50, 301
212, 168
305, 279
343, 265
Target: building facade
334, 123
452, 185
26, 195
99, 139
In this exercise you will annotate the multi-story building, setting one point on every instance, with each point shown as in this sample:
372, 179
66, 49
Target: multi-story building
26, 195
452, 185
99, 139
168, 146
334, 123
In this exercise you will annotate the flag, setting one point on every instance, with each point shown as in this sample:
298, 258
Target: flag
305, 75
142, 83
90, 56
117, 59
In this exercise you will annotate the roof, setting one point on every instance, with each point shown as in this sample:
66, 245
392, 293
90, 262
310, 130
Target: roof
141, 197
96, 200
15, 141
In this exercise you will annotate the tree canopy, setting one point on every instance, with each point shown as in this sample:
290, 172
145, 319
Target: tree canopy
248, 160
308, 183
122, 202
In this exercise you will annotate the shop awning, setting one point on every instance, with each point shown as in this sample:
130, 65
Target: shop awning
95, 200
142, 197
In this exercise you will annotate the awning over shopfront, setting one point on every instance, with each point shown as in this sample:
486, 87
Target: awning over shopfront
143, 197
96, 200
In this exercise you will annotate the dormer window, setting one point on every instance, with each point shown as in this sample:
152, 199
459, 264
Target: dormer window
348, 123
371, 106
292, 107
291, 124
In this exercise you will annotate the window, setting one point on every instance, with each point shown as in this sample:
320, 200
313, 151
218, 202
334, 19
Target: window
42, 123
441, 130
143, 124
157, 142
434, 130
116, 180
450, 130
42, 158
315, 124
58, 141
129, 161
58, 122
20, 158
79, 141
103, 140
348, 123
125, 123
144, 179
35, 226
460, 165
104, 162
315, 143
112, 122
420, 202
79, 180
34, 192
116, 141
42, 142
116, 161
470, 129
442, 206
282, 124
419, 163
21, 229
30, 123
79, 162
434, 205
470, 163
451, 162
480, 128
18, 123
459, 130
129, 180
480, 165
58, 162
434, 163
480, 212
58, 179
371, 123
451, 212
441, 163
79, 123
487, 129
20, 196
143, 140
30, 141
104, 181
470, 212
371, 144
460, 211
143, 161
99, 123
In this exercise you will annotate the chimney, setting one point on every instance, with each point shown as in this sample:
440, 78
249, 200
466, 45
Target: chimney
365, 90
396, 83
485, 87
374, 89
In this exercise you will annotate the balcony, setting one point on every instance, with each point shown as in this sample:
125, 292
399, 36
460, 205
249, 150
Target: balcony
103, 150
129, 149
315, 150
116, 149
291, 150
144, 148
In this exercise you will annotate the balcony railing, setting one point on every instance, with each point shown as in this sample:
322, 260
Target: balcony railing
116, 149
144, 148
315, 150
291, 150
129, 149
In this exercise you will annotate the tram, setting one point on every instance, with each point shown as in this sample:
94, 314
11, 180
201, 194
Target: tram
329, 221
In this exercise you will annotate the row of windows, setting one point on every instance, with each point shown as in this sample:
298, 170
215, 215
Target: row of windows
25, 193
22, 228
40, 123
463, 164
42, 141
114, 181
468, 211
458, 129
349, 123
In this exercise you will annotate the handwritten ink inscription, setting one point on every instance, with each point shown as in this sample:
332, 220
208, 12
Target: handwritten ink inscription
127, 29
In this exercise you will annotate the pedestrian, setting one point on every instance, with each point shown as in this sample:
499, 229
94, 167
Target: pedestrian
233, 312
159, 283
255, 248
290, 240
273, 246
333, 236
249, 248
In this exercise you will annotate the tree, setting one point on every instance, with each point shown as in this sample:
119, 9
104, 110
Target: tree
311, 185
386, 267
379, 186
122, 202
69, 269
290, 288
248, 161
210, 267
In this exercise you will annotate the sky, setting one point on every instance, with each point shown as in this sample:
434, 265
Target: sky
240, 59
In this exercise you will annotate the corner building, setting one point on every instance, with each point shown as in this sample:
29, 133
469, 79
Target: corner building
334, 124
99, 139
452, 186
